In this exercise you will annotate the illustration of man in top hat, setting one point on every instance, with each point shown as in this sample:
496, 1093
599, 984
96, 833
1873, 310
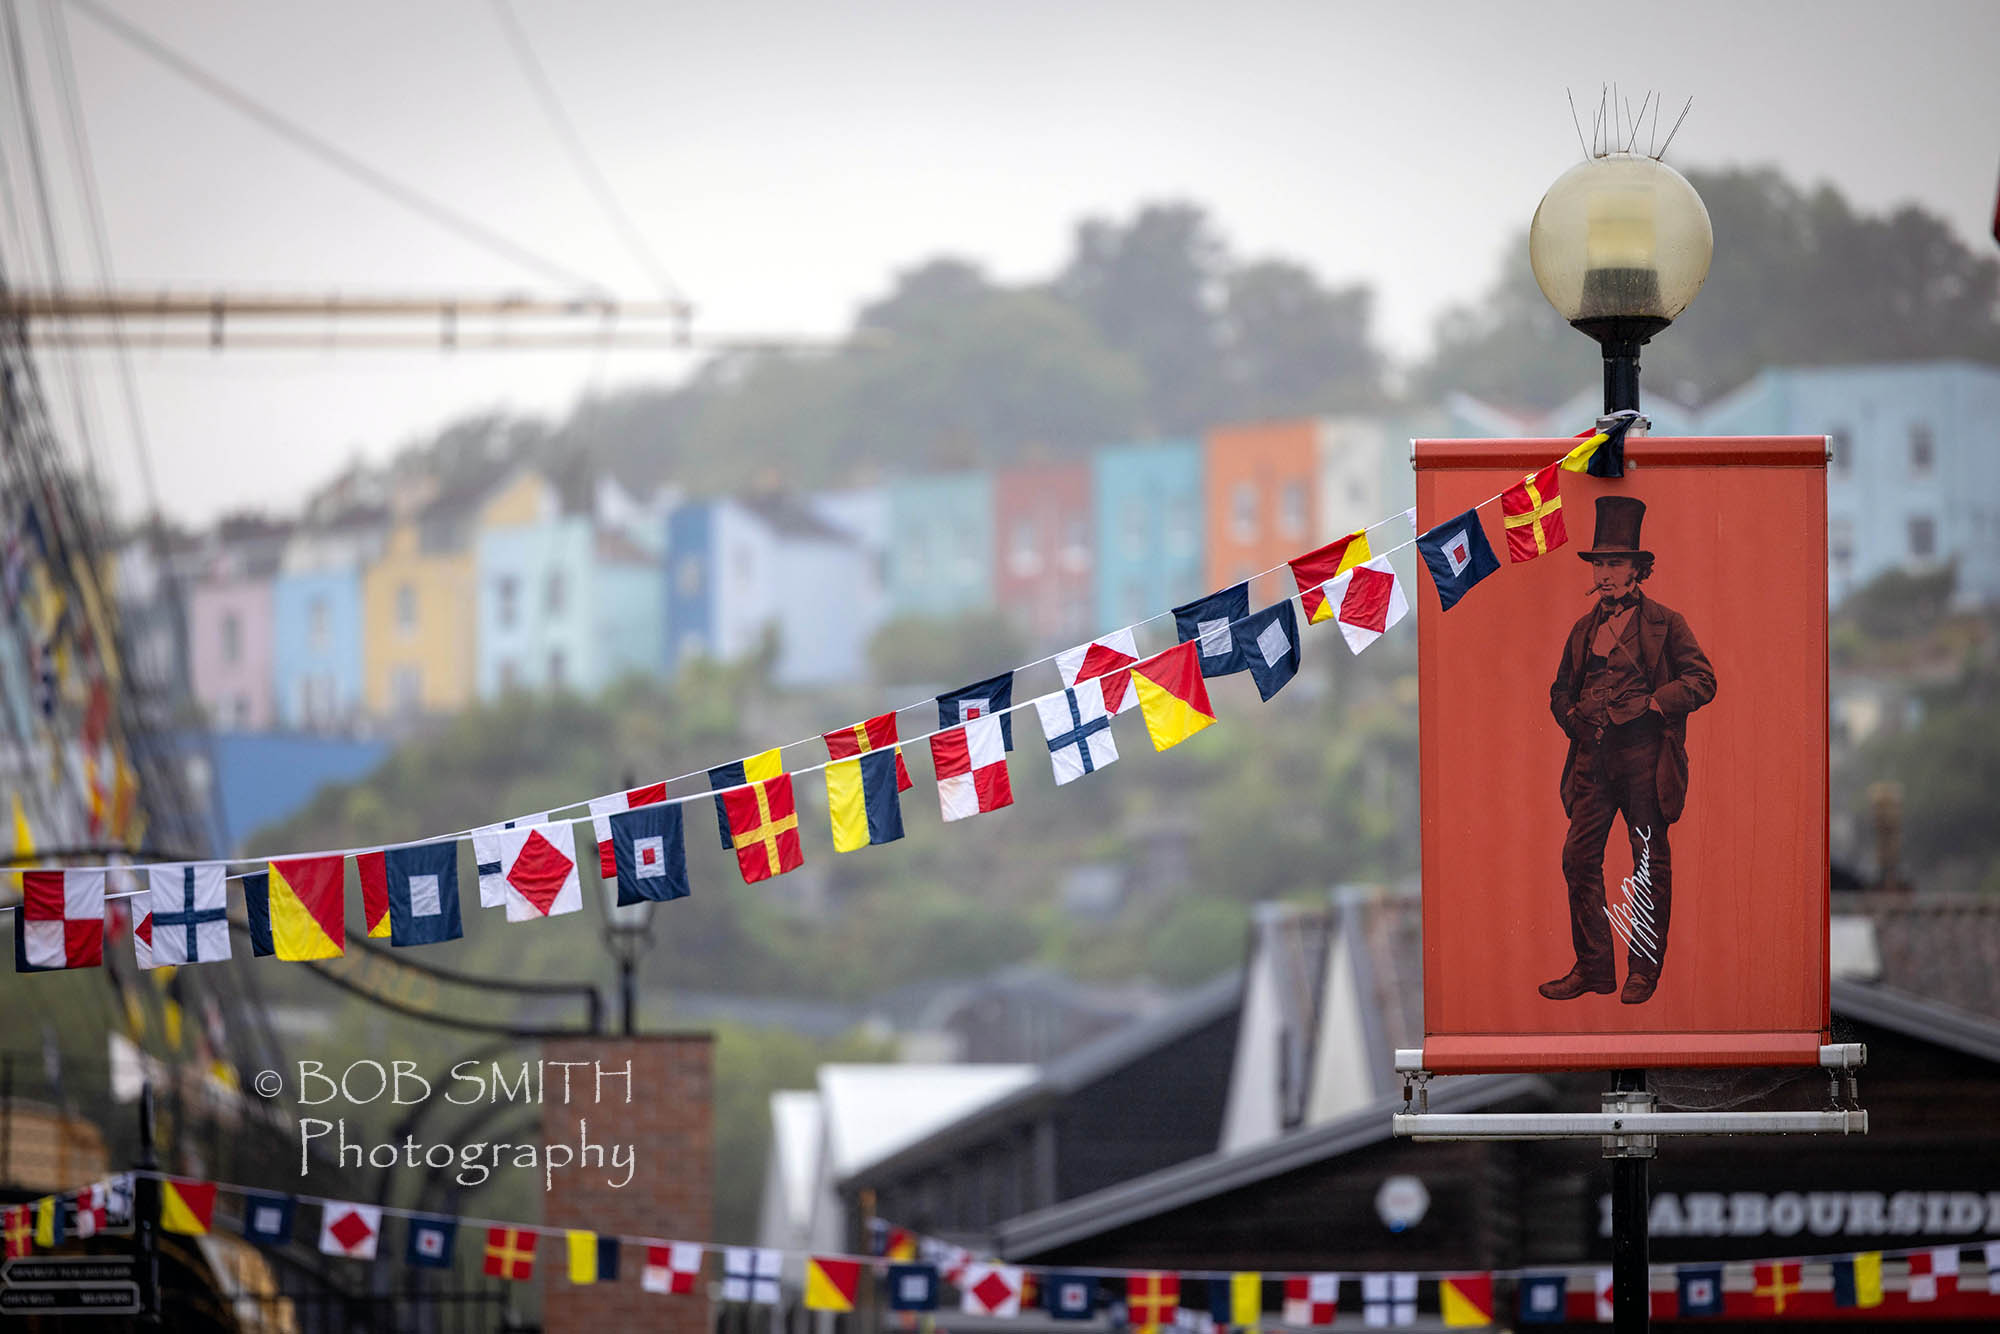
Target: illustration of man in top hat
1630, 675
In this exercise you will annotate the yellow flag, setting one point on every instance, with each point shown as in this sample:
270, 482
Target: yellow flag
46, 1212
1246, 1299
24, 841
1578, 459
1868, 1278
582, 1256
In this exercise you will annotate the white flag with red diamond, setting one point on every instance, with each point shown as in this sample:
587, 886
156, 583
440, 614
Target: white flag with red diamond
486, 855
1369, 599
538, 868
349, 1230
991, 1290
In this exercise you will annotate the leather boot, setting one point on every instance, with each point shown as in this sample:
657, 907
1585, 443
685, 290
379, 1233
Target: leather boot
1638, 988
1576, 983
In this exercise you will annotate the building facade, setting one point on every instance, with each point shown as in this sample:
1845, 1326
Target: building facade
1149, 522
941, 561
231, 639
316, 623
419, 611
1044, 521
1261, 483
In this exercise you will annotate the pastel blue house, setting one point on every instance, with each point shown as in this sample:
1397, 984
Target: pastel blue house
316, 624
940, 562
1149, 529
1914, 481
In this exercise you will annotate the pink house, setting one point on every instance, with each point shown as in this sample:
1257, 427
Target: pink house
230, 652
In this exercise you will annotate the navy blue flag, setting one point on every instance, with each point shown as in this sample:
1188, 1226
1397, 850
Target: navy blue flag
1070, 1296
257, 912
423, 893
650, 847
1458, 556
607, 1259
1543, 1299
1700, 1290
1218, 1302
431, 1240
981, 699
267, 1219
1269, 642
1212, 621
913, 1287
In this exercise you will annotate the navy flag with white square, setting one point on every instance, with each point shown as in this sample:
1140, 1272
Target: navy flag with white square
650, 846
267, 1219
981, 699
1270, 644
1544, 1299
423, 893
1070, 1296
190, 913
431, 1240
913, 1287
1699, 1290
1212, 621
1458, 556
1079, 730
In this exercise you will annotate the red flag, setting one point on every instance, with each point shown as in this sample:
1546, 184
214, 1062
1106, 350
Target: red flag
764, 828
1532, 512
871, 734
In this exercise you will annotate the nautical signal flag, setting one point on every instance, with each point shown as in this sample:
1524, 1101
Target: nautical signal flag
971, 765
49, 1230
486, 853
1103, 660
297, 908
349, 1230
870, 734
431, 1243
913, 1287
861, 797
60, 923
986, 1289
1246, 1299
831, 1284
1857, 1280
603, 808
142, 931
900, 1244
1772, 1286
187, 1207
1466, 1300
19, 1229
1992, 1267
1933, 1274
510, 1253
649, 854
981, 699
751, 769
1070, 1296
369, 870
267, 1219
1151, 1299
592, 1258
1458, 556
1389, 1299
1269, 643
1312, 570
1698, 1291
1531, 509
1078, 727
422, 886
1172, 695
674, 1268
750, 1274
1311, 1299
1368, 601
538, 866
1211, 623
1544, 1299
764, 826
188, 913
1602, 453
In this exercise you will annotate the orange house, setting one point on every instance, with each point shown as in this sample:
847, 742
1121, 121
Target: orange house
1261, 486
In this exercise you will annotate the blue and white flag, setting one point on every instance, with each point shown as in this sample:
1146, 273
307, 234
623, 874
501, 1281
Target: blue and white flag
981, 699
423, 893
1070, 1296
1212, 621
267, 1219
431, 1242
486, 852
1699, 1288
1544, 1299
1079, 730
1458, 556
1269, 642
649, 846
913, 1287
190, 907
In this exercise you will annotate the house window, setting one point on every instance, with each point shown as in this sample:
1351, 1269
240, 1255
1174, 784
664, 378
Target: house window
1243, 511
1923, 450
690, 576
1134, 517
1292, 509
509, 594
1076, 542
1357, 492
1841, 444
1923, 537
557, 593
232, 638
406, 688
317, 628
510, 675
1022, 556
406, 608
556, 666
1840, 544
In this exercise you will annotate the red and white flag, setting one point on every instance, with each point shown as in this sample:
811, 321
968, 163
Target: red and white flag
1933, 1274
1312, 1299
971, 764
61, 922
603, 808
538, 871
674, 1268
349, 1230
1368, 600
991, 1290
1604, 1308
1107, 657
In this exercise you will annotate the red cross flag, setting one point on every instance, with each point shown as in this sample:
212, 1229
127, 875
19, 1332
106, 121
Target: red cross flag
1531, 510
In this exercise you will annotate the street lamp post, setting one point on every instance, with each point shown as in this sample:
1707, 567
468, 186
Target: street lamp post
1620, 244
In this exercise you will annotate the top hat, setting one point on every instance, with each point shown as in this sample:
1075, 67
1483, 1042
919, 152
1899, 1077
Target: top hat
1618, 520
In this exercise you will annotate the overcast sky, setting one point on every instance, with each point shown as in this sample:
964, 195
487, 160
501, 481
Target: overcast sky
785, 160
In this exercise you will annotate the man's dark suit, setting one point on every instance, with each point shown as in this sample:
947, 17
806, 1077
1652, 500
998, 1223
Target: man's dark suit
1626, 758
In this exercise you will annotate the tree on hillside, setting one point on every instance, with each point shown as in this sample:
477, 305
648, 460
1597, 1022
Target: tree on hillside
1297, 347
1799, 278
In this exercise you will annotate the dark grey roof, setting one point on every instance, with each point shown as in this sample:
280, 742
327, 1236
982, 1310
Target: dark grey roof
1918, 1017
1945, 947
1203, 1178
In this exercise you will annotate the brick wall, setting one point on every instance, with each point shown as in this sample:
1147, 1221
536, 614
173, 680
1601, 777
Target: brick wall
670, 1122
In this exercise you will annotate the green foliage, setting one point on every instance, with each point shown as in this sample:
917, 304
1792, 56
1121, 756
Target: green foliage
1899, 604
946, 652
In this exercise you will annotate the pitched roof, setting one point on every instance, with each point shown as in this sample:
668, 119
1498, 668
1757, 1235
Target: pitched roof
1939, 947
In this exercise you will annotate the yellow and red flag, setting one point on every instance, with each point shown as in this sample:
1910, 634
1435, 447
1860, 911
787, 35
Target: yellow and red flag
510, 1253
1466, 1299
1531, 509
1316, 567
831, 1284
298, 907
187, 1207
1152, 1299
764, 828
19, 1230
372, 869
1172, 695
